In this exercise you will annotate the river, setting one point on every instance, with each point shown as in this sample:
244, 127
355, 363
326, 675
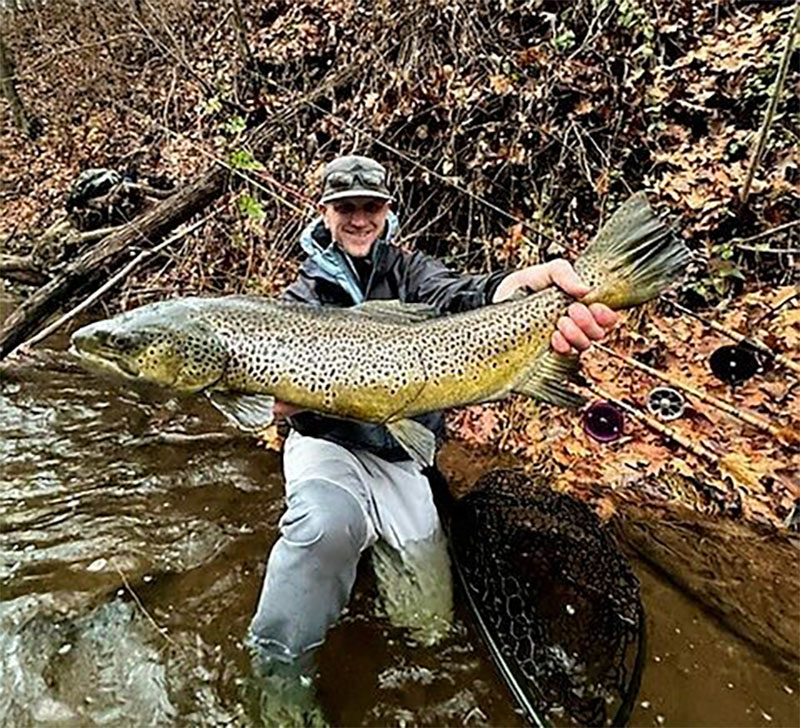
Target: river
129, 569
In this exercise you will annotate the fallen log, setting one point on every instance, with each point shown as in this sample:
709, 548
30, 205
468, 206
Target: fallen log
109, 284
88, 268
148, 228
747, 577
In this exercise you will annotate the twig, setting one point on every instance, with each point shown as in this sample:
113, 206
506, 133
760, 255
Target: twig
773, 103
241, 32
215, 30
788, 298
449, 181
736, 336
161, 630
182, 438
766, 233
240, 173
11, 235
787, 435
44, 333
775, 251
28, 72
92, 235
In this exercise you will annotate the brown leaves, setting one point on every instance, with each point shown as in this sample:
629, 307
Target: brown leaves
500, 84
270, 438
477, 426
713, 90
751, 471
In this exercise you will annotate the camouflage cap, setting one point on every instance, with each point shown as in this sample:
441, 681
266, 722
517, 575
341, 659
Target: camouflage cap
355, 176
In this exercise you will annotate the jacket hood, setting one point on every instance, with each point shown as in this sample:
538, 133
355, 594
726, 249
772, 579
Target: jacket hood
327, 260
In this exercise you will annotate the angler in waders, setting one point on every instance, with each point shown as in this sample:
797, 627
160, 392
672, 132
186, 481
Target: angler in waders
350, 486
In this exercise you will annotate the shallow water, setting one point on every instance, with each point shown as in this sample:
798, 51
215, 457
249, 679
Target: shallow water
129, 570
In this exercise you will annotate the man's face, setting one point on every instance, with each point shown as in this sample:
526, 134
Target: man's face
355, 222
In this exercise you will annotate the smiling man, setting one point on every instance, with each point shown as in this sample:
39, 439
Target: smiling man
349, 485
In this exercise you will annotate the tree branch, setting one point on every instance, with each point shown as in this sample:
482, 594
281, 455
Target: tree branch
773, 103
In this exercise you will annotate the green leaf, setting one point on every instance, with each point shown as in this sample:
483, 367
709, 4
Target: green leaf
244, 159
235, 125
564, 40
251, 207
212, 106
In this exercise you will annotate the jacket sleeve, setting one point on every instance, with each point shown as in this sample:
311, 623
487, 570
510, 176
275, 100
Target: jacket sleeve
429, 281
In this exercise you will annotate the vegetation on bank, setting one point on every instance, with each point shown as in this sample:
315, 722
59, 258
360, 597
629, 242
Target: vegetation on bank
513, 130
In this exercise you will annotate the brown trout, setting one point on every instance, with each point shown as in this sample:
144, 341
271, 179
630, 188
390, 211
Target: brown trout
382, 361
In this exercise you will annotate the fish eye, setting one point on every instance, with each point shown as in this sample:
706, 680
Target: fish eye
122, 340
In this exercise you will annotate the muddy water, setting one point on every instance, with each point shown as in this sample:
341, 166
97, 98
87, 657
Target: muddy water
129, 569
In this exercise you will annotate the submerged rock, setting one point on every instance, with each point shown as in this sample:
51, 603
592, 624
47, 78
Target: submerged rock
95, 669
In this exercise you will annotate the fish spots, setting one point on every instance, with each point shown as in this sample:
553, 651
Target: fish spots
343, 362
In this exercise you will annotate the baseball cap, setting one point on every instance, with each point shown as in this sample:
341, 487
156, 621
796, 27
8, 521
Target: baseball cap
355, 176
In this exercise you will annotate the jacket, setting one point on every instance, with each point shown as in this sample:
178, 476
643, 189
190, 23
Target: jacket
330, 277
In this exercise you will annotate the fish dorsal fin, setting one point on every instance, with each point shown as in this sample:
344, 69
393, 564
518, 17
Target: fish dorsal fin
547, 380
416, 439
251, 412
396, 312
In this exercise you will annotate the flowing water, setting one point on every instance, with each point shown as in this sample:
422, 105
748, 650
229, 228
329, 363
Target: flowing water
129, 569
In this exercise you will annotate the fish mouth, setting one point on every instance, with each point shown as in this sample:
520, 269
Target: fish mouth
107, 361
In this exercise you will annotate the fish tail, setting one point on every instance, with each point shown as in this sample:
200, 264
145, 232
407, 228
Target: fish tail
634, 257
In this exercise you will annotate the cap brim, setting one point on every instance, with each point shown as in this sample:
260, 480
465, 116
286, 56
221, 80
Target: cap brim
355, 193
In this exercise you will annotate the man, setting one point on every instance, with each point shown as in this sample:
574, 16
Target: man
349, 485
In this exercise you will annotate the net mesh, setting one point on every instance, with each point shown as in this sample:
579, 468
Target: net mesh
560, 602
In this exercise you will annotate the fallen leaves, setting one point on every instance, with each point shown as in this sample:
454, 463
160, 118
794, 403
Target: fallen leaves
709, 87
749, 472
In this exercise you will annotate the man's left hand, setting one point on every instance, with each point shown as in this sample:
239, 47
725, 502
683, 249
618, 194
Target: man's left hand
582, 324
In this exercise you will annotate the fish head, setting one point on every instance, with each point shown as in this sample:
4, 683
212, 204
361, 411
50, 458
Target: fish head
157, 343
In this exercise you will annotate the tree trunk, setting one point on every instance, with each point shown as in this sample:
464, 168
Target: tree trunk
8, 86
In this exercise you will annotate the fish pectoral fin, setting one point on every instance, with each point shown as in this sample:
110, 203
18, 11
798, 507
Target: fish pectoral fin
249, 412
416, 439
396, 312
548, 379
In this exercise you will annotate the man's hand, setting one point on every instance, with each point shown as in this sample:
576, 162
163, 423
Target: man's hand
582, 324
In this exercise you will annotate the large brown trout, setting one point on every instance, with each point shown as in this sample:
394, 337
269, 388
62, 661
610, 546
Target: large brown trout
381, 362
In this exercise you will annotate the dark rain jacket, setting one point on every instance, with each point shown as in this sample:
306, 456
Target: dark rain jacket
330, 277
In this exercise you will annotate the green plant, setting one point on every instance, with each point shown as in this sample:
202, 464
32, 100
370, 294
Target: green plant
244, 159
563, 40
721, 274
250, 207
235, 125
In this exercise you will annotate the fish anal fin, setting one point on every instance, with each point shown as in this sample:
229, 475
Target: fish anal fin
417, 440
547, 380
250, 412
